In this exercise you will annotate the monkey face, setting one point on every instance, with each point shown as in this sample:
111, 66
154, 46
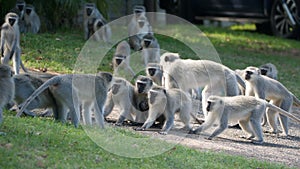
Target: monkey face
147, 42
208, 107
119, 59
28, 11
11, 21
115, 88
263, 71
151, 71
248, 75
20, 7
89, 11
141, 86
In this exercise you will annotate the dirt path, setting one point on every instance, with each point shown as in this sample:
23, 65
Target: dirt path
275, 149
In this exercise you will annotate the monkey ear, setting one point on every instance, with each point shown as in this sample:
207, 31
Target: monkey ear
167, 58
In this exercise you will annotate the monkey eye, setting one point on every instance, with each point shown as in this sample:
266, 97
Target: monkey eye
124, 57
249, 72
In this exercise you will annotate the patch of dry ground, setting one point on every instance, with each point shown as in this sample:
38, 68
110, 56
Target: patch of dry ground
275, 149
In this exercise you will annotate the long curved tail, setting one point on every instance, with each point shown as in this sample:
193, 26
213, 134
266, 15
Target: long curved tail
283, 112
52, 81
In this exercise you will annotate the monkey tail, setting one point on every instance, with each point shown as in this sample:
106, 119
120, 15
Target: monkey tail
52, 81
296, 101
283, 112
240, 81
23, 67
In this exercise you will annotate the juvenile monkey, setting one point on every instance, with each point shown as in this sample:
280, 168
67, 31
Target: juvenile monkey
167, 102
32, 20
7, 87
10, 42
73, 90
25, 85
151, 49
90, 15
121, 59
122, 95
104, 33
247, 110
264, 87
154, 71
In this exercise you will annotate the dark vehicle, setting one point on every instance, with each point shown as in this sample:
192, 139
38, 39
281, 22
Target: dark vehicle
277, 17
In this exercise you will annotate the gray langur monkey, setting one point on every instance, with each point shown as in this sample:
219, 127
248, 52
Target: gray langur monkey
25, 85
32, 20
269, 70
247, 110
121, 59
10, 42
168, 102
123, 96
7, 87
264, 87
90, 15
151, 49
214, 78
155, 72
102, 30
73, 90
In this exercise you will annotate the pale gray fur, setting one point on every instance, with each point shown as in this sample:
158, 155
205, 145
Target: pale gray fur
269, 70
247, 110
102, 31
7, 87
90, 14
214, 78
138, 27
73, 90
151, 49
168, 102
270, 89
123, 96
25, 85
32, 20
10, 42
155, 72
121, 59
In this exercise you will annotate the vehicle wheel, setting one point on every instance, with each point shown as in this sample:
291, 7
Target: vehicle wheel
280, 23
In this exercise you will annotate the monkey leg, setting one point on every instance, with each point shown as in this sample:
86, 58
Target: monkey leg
256, 126
168, 123
99, 114
109, 104
125, 112
16, 61
87, 120
185, 117
246, 126
207, 124
272, 118
150, 120
222, 126
284, 120
6, 57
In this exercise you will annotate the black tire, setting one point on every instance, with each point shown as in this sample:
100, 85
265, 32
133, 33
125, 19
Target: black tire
280, 24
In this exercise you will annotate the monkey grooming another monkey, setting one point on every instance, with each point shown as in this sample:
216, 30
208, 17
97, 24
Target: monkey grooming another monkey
10, 42
247, 110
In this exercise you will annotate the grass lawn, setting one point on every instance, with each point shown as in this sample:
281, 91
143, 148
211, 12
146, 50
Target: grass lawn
43, 143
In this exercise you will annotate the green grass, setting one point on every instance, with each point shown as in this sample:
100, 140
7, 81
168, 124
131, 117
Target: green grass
43, 143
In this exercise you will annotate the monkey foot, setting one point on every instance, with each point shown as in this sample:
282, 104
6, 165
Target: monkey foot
163, 132
192, 132
247, 137
208, 138
258, 142
140, 129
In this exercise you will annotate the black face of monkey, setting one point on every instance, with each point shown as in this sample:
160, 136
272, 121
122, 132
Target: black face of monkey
208, 107
89, 11
20, 7
248, 75
264, 71
12, 21
28, 11
151, 71
141, 87
115, 88
119, 59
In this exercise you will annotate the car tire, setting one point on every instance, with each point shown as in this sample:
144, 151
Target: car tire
279, 22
